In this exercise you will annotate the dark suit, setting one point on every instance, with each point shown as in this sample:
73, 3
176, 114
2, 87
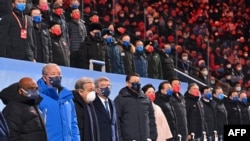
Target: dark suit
107, 123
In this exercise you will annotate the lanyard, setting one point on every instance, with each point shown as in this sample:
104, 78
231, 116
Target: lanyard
20, 25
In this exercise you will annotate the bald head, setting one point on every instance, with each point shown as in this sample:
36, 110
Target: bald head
27, 83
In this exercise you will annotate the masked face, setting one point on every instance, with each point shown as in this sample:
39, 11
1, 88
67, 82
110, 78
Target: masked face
176, 89
139, 48
235, 99
20, 6
208, 96
136, 86
220, 96
109, 40
74, 5
151, 96
44, 7
95, 19
56, 31
126, 44
91, 96
244, 100
37, 19
58, 11
105, 91
169, 92
55, 81
150, 49
31, 93
76, 15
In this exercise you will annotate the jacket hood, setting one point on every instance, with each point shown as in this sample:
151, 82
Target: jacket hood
10, 94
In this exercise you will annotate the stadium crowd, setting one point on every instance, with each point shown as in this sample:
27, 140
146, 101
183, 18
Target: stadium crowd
206, 39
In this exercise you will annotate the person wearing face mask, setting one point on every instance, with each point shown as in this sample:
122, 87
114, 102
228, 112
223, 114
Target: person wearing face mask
162, 97
163, 130
43, 5
204, 75
57, 106
244, 108
95, 48
105, 110
177, 102
195, 112
16, 34
42, 38
209, 115
84, 95
60, 51
184, 63
140, 59
74, 4
116, 59
135, 114
127, 52
57, 16
154, 63
234, 115
21, 111
167, 62
219, 110
77, 35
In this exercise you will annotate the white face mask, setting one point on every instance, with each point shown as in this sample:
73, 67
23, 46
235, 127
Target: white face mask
238, 89
184, 58
91, 96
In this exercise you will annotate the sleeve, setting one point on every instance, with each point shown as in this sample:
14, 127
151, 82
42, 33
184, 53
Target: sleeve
14, 118
74, 124
4, 27
119, 116
153, 130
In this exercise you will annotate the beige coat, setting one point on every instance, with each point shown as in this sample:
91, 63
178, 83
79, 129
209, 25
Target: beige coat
162, 126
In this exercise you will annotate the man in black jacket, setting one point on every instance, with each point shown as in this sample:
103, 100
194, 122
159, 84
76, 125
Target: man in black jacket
135, 114
16, 34
21, 112
4, 132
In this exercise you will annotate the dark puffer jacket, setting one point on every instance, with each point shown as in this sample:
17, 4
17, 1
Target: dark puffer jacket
22, 116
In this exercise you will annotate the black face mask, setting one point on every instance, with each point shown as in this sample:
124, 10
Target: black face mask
97, 35
136, 86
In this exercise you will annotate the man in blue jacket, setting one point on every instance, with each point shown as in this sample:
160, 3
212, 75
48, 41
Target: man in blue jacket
57, 106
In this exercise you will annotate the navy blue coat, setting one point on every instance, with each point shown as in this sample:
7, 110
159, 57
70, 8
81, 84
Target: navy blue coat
4, 129
107, 126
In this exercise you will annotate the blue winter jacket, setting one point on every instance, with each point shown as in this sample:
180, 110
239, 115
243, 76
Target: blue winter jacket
59, 113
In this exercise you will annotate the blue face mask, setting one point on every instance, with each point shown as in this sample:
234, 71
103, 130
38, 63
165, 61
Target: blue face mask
55, 81
169, 92
126, 43
168, 50
105, 91
156, 45
74, 6
136, 86
208, 96
139, 48
37, 19
244, 100
20, 6
235, 98
109, 40
220, 96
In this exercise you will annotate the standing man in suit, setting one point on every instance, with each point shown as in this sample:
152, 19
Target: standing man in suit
105, 110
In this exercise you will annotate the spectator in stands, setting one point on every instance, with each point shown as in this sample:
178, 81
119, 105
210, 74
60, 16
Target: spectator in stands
16, 34
220, 111
167, 62
74, 4
209, 115
140, 59
84, 95
134, 112
204, 75
195, 112
154, 62
41, 37
163, 130
21, 111
92, 18
105, 110
116, 59
244, 108
231, 103
95, 48
178, 104
58, 17
60, 51
43, 5
4, 133
127, 52
77, 35
57, 105
184, 63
